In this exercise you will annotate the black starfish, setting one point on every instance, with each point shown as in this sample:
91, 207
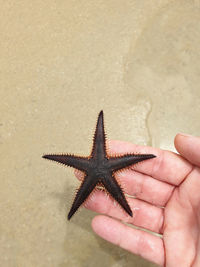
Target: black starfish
99, 168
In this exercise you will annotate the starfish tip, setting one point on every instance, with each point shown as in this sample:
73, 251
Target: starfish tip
47, 157
101, 113
70, 214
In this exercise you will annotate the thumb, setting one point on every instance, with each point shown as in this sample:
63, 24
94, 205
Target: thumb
189, 147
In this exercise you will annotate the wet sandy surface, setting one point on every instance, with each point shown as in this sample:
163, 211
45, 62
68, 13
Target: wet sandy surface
61, 63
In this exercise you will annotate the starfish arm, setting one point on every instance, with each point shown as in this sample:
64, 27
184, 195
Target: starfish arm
116, 192
127, 160
83, 192
99, 140
79, 163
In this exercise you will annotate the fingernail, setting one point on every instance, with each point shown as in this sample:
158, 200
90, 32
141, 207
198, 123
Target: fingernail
186, 135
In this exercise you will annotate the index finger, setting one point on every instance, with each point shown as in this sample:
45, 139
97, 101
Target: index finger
168, 166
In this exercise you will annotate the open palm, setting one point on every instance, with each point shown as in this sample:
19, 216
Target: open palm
164, 195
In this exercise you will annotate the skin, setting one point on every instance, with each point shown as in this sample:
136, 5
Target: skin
167, 191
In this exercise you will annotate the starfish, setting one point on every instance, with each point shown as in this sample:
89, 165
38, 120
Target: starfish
99, 169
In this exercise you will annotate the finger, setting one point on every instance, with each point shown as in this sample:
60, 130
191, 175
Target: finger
167, 166
144, 215
141, 186
189, 147
144, 187
138, 242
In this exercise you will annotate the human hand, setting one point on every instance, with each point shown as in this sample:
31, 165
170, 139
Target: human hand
167, 191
